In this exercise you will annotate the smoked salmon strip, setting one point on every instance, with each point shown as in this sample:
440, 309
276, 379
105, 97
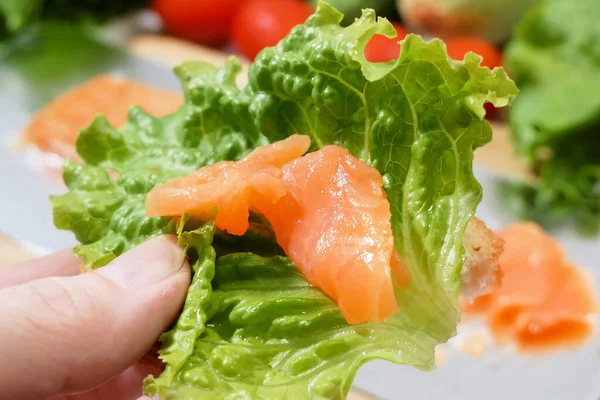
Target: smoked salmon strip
544, 300
55, 128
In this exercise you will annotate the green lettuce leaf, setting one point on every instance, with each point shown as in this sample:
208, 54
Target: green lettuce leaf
108, 216
271, 335
417, 120
555, 58
178, 344
259, 330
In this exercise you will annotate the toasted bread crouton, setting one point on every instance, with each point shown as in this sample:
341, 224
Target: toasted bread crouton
481, 272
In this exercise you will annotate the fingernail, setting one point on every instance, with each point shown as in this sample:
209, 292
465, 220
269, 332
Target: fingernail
146, 264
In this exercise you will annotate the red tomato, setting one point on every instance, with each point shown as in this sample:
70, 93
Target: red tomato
457, 47
204, 21
382, 49
263, 23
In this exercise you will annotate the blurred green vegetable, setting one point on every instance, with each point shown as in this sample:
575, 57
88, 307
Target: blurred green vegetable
489, 19
555, 59
53, 44
17, 14
51, 56
94, 10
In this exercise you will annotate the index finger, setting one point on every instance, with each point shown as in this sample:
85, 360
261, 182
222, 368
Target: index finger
62, 263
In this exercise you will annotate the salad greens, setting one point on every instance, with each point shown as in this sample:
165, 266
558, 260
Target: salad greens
252, 326
555, 58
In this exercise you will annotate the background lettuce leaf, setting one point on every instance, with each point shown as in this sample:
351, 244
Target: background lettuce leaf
555, 58
416, 119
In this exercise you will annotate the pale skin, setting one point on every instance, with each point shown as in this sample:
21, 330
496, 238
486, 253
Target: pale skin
66, 335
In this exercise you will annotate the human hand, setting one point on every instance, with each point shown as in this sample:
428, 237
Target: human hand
65, 335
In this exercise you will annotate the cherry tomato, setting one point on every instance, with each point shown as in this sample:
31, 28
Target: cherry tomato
457, 47
263, 23
382, 49
204, 21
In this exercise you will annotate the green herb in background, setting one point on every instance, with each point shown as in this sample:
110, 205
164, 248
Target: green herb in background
555, 121
15, 14
51, 56
18, 14
51, 45
92, 10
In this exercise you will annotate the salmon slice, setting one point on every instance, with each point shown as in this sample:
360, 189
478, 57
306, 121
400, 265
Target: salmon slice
232, 188
543, 300
343, 240
328, 209
55, 128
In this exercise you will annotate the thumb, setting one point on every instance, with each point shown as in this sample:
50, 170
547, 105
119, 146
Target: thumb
64, 335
